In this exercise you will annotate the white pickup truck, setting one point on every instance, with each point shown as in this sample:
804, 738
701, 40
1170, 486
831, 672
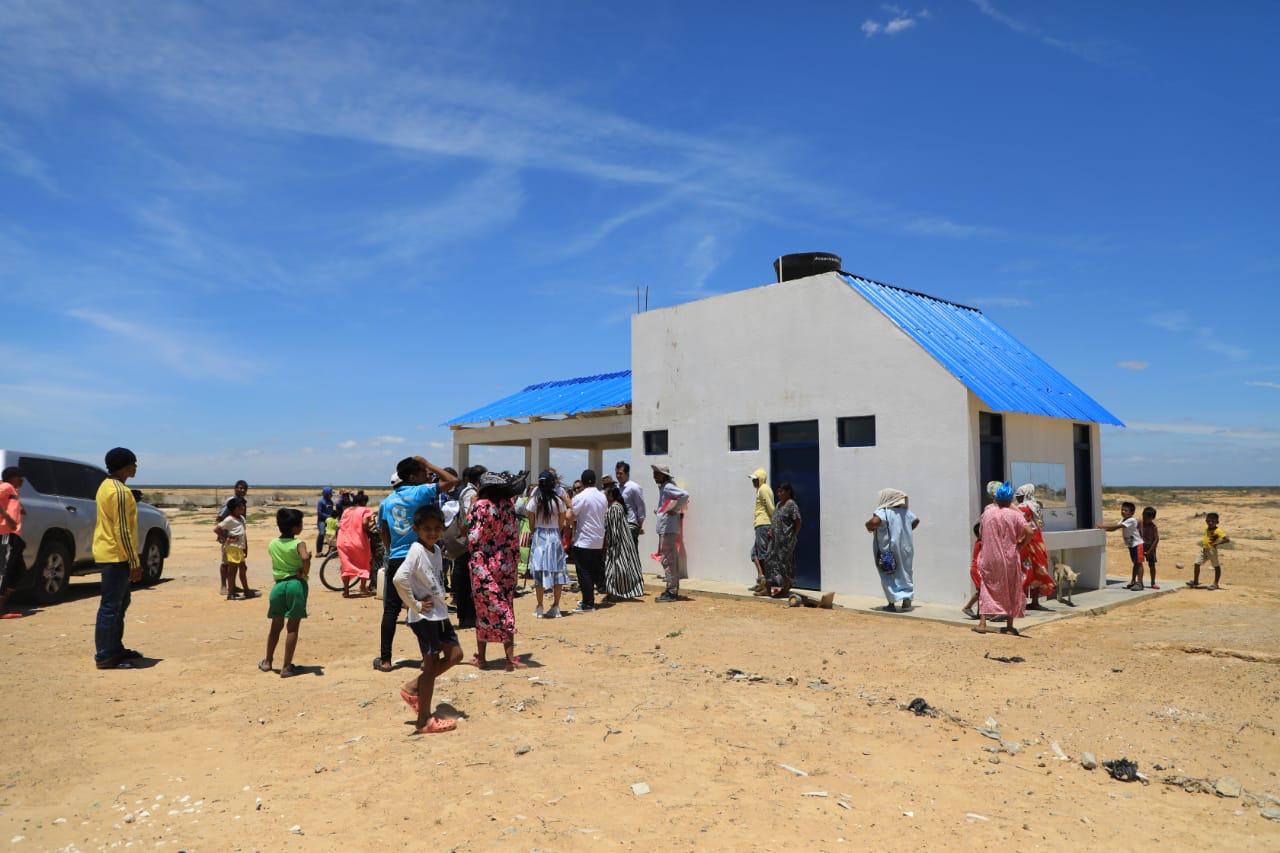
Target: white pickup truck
59, 499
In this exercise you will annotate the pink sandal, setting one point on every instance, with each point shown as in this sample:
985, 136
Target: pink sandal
435, 726
409, 699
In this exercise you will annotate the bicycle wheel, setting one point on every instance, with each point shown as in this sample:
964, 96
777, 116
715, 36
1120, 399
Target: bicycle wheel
331, 572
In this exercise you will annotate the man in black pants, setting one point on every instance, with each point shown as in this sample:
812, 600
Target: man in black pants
588, 509
395, 518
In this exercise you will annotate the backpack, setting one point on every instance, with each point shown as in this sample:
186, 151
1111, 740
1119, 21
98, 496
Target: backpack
454, 542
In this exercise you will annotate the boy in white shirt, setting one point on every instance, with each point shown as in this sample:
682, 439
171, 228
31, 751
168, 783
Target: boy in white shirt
1132, 540
421, 588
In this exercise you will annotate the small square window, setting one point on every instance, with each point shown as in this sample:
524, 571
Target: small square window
744, 437
856, 432
655, 442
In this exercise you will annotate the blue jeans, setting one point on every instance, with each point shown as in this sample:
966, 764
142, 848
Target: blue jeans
108, 634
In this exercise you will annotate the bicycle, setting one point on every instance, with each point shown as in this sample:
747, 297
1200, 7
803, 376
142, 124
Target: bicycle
331, 570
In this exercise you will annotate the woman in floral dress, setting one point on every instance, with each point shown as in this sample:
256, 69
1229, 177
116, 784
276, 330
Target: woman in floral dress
494, 537
1035, 558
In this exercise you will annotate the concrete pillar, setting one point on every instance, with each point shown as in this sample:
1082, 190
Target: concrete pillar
461, 455
537, 457
595, 461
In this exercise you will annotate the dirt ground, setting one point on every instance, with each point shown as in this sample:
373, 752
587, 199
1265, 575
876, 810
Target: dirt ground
753, 726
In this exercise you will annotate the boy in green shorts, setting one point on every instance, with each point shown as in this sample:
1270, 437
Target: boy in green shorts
290, 565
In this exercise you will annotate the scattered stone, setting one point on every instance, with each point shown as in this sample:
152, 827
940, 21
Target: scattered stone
320, 768
995, 759
1084, 820
523, 749
820, 685
908, 814
640, 789
1271, 814
1228, 786
1087, 761
991, 733
1012, 747
129, 818
842, 804
296, 829
794, 770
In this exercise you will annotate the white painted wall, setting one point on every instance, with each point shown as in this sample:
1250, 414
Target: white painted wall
799, 350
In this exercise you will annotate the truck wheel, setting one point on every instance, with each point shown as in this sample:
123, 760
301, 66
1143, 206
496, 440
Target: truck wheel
152, 559
52, 573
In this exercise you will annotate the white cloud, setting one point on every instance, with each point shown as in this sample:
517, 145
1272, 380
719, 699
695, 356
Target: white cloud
941, 227
900, 20
1263, 384
1095, 50
1187, 428
183, 351
1206, 339
374, 442
1133, 365
1170, 321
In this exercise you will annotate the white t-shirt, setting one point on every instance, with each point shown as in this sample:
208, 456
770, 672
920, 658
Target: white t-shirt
539, 518
588, 509
235, 531
418, 579
1129, 530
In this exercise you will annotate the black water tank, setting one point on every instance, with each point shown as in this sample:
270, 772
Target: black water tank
805, 264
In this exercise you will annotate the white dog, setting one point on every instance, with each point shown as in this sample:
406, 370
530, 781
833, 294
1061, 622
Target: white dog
1064, 578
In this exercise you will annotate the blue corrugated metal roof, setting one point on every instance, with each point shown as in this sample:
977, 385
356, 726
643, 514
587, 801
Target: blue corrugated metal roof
562, 397
993, 364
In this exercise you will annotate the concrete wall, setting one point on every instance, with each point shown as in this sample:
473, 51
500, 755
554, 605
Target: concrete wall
800, 350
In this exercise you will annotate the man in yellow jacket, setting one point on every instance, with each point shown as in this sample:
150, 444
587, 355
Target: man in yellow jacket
115, 550
763, 520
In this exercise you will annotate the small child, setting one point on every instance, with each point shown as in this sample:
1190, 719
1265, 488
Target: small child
1150, 539
290, 565
1132, 540
1213, 537
235, 549
973, 573
419, 582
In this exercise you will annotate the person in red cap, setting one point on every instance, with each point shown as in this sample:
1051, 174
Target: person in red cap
115, 549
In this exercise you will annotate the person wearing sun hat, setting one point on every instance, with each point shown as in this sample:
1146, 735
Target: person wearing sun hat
671, 503
115, 550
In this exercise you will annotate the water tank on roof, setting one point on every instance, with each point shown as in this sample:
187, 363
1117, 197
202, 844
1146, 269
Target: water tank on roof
805, 264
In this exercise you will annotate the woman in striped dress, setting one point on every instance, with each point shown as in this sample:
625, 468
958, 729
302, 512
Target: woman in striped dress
622, 572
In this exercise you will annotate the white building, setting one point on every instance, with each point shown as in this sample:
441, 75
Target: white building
841, 386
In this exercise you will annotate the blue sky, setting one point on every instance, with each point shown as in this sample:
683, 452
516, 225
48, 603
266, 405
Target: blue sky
285, 241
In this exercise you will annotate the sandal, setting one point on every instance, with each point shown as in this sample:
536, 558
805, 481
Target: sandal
514, 664
435, 725
382, 665
289, 671
264, 665
1008, 630
409, 699
478, 662
968, 611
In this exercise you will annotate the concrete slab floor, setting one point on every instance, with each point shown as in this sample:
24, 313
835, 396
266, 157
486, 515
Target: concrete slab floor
1087, 602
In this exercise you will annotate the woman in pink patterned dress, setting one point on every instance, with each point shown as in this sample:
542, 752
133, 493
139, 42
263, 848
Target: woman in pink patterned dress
355, 548
1003, 532
494, 537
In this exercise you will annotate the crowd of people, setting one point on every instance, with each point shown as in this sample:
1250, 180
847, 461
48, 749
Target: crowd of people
445, 534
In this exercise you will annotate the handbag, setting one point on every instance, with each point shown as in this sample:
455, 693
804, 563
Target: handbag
884, 553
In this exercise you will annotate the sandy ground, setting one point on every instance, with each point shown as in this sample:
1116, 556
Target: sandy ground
807, 746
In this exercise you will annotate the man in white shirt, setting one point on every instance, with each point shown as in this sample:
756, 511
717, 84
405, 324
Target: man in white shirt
588, 509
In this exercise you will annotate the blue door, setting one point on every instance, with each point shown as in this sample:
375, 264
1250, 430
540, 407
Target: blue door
793, 456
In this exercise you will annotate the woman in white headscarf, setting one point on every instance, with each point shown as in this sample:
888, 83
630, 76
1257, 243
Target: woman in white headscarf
1036, 580
892, 547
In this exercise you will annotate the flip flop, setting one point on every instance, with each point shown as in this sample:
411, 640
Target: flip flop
981, 630
436, 726
477, 663
264, 665
409, 699
1014, 631
382, 666
289, 671
514, 663
10, 615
